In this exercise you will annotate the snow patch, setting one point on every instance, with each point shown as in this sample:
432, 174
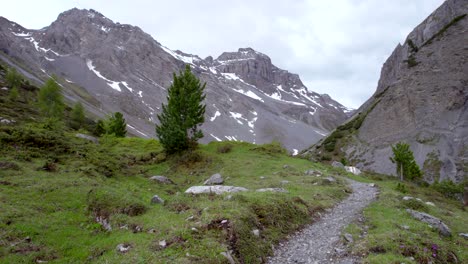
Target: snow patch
295, 152
138, 131
231, 138
215, 137
49, 59
68, 81
22, 34
126, 86
113, 84
213, 70
105, 29
186, 59
237, 116
217, 113
140, 93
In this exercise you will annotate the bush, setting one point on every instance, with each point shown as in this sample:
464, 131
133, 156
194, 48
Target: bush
415, 205
274, 147
107, 201
224, 148
449, 189
401, 188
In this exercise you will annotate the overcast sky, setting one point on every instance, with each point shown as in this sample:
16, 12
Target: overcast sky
337, 47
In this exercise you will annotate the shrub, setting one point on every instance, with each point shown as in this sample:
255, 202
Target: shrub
449, 189
224, 148
50, 100
106, 201
274, 147
401, 187
414, 205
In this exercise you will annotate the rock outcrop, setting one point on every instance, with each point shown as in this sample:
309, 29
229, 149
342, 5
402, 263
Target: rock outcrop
421, 99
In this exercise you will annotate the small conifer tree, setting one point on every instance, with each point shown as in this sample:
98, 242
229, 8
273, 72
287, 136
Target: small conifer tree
179, 122
14, 94
406, 166
50, 100
100, 128
77, 117
117, 125
13, 78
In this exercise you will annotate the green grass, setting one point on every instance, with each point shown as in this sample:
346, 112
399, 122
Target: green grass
56, 209
388, 241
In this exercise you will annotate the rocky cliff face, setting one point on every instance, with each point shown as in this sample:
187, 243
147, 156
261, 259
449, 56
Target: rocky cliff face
421, 98
114, 67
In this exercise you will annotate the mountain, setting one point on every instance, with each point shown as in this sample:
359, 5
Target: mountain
115, 67
421, 98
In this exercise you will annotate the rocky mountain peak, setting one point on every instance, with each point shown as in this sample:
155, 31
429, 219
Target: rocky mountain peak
119, 67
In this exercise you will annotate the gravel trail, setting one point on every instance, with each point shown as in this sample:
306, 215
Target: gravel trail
320, 241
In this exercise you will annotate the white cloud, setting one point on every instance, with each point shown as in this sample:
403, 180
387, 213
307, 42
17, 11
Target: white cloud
337, 47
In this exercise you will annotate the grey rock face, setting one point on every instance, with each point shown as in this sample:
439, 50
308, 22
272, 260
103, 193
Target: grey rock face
215, 179
161, 179
218, 189
433, 221
124, 69
421, 99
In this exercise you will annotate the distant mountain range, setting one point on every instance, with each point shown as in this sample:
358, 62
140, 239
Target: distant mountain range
114, 67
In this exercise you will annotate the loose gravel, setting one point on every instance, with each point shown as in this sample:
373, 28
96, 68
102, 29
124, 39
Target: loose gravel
321, 241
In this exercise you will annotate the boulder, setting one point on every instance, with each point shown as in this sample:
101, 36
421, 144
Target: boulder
313, 173
215, 179
217, 189
464, 235
329, 180
157, 200
348, 237
256, 232
337, 164
431, 220
123, 248
87, 137
353, 170
161, 179
272, 190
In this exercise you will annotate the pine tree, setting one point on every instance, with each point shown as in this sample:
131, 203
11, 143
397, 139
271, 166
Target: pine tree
117, 125
14, 94
179, 122
406, 166
100, 128
77, 117
13, 78
50, 100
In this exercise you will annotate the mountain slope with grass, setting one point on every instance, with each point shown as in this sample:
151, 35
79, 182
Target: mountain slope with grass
421, 99
69, 199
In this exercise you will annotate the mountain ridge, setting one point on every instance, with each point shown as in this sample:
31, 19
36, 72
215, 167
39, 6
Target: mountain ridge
90, 51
